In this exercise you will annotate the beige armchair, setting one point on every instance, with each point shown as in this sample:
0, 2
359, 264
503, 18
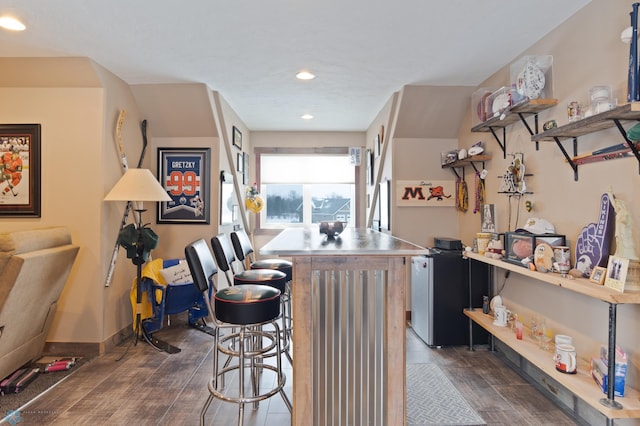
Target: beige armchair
34, 267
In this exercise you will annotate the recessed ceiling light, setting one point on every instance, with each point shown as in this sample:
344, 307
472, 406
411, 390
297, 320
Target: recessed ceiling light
305, 75
306, 117
13, 24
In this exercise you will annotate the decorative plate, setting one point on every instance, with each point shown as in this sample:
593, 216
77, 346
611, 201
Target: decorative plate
534, 80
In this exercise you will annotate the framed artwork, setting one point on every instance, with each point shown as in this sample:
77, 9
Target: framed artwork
228, 203
184, 174
616, 273
240, 163
369, 161
20, 165
385, 205
376, 145
488, 218
598, 275
237, 138
245, 174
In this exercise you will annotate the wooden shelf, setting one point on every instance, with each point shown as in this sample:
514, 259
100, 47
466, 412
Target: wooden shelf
578, 285
467, 161
595, 123
532, 106
580, 384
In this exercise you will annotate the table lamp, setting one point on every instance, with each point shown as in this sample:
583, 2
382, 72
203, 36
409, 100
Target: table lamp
137, 186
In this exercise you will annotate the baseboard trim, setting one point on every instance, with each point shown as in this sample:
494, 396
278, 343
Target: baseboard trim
89, 349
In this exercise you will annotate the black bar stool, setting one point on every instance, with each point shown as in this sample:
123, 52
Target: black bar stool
247, 308
244, 253
225, 259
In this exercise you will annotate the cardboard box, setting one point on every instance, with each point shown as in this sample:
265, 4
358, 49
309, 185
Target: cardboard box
600, 373
519, 245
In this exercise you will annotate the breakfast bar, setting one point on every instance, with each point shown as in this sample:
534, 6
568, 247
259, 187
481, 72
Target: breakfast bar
348, 296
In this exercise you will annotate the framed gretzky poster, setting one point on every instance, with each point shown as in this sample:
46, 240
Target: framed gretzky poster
20, 170
184, 174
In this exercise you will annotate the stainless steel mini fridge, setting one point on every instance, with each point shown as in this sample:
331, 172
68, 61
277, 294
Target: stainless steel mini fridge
439, 295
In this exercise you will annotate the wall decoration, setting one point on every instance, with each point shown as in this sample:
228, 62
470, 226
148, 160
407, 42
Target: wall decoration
381, 134
616, 273
385, 205
240, 163
369, 160
425, 193
488, 218
245, 174
184, 173
228, 201
598, 274
376, 145
237, 137
20, 170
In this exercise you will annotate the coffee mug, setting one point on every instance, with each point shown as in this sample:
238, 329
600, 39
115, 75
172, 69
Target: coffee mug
565, 358
500, 315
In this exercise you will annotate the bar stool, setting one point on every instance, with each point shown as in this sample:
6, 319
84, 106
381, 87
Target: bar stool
244, 253
225, 259
246, 308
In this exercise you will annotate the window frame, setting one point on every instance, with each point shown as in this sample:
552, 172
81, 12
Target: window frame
305, 151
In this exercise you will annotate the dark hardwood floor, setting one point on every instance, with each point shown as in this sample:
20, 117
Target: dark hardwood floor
147, 387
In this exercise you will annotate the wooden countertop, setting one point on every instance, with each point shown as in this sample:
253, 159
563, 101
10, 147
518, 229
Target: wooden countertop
309, 241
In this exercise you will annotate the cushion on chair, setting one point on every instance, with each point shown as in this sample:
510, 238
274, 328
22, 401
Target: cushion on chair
247, 304
277, 264
269, 277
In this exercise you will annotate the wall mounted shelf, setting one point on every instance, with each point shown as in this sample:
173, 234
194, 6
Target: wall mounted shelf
469, 161
595, 123
518, 112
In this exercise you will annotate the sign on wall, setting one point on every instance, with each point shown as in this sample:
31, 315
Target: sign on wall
425, 193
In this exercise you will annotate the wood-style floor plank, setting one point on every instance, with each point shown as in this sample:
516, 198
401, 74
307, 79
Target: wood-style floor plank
148, 387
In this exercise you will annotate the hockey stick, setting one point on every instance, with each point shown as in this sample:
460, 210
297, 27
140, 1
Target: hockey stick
125, 167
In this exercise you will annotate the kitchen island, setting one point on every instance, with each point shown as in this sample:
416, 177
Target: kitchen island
348, 325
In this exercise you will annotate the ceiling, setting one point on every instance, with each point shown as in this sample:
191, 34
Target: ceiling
249, 50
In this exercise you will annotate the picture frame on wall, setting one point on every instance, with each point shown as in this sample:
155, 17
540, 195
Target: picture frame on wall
240, 163
245, 168
237, 138
369, 161
488, 218
184, 174
385, 205
20, 190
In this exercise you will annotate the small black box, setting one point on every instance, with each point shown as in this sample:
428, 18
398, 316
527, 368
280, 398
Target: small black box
444, 243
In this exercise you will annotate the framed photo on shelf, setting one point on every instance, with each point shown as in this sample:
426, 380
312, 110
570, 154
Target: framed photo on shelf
184, 174
20, 163
598, 275
237, 137
616, 273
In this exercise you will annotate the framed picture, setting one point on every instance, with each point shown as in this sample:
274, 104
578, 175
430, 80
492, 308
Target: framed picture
240, 163
228, 202
369, 161
385, 205
245, 174
237, 138
598, 275
184, 174
376, 145
616, 273
488, 218
20, 165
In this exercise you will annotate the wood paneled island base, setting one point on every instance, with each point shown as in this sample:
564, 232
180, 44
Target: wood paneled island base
348, 325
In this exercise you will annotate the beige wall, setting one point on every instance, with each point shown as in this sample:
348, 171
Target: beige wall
587, 51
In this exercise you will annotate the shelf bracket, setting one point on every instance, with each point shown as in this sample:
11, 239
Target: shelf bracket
531, 131
453, 169
573, 165
503, 142
632, 145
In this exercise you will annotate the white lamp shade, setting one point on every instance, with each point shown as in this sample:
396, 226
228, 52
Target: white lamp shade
137, 185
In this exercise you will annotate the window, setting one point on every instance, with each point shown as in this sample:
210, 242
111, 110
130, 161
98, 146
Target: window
303, 189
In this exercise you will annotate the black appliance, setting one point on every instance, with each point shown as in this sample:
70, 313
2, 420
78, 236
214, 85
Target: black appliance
440, 293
